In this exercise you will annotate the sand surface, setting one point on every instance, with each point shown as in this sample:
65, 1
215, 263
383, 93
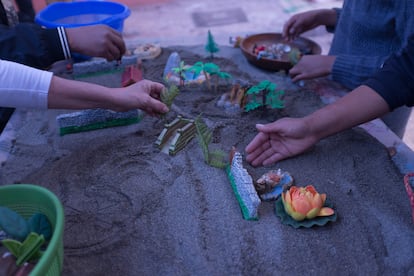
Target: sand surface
133, 210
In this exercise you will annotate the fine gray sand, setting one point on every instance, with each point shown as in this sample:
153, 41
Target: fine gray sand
133, 210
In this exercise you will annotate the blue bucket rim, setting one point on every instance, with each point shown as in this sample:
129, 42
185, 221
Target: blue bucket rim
123, 14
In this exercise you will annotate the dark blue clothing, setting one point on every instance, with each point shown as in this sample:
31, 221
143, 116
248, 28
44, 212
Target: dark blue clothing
366, 34
395, 81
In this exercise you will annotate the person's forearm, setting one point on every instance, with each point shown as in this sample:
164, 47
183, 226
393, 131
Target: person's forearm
359, 106
22, 86
327, 17
70, 94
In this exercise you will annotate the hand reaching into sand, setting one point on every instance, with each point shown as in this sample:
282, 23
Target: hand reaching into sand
144, 95
279, 140
312, 66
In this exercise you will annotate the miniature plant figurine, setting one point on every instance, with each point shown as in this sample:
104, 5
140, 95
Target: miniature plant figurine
269, 96
199, 67
305, 203
169, 94
220, 75
208, 70
213, 158
28, 250
294, 56
26, 237
180, 70
211, 46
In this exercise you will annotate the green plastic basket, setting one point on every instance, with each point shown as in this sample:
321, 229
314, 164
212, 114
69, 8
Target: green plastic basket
27, 199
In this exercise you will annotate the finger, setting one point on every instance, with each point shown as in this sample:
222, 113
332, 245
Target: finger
285, 30
156, 89
287, 27
264, 155
157, 106
256, 142
272, 159
118, 41
298, 77
112, 52
258, 152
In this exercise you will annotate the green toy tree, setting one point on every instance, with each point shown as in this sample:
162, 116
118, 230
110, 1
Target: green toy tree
264, 94
210, 69
220, 75
211, 46
180, 70
200, 67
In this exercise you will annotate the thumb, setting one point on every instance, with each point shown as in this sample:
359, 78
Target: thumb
264, 128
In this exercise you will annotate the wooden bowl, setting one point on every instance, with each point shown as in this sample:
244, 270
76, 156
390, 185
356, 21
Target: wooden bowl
305, 45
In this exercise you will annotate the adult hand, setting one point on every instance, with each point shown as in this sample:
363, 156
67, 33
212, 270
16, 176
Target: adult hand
312, 66
144, 95
279, 140
305, 21
96, 41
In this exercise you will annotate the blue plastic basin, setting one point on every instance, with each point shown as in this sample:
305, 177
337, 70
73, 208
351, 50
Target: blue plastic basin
83, 13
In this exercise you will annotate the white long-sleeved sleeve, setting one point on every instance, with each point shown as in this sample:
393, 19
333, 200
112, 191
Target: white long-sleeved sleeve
23, 86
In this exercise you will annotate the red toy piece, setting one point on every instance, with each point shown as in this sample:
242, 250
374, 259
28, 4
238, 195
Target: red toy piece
132, 74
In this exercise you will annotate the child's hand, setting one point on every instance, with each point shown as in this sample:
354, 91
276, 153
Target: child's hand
312, 66
96, 41
305, 21
144, 95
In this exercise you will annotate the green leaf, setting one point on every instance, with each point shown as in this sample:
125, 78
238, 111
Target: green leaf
264, 84
224, 75
274, 100
13, 246
168, 95
197, 67
30, 248
204, 136
211, 68
218, 159
252, 106
13, 224
39, 224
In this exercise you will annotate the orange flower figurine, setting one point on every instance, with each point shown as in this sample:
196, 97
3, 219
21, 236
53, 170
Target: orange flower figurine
305, 202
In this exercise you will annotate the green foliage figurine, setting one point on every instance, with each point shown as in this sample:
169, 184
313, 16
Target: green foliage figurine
26, 236
215, 158
180, 70
210, 69
169, 94
294, 56
269, 96
211, 46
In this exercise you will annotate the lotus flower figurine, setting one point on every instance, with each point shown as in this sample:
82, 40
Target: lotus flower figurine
305, 203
